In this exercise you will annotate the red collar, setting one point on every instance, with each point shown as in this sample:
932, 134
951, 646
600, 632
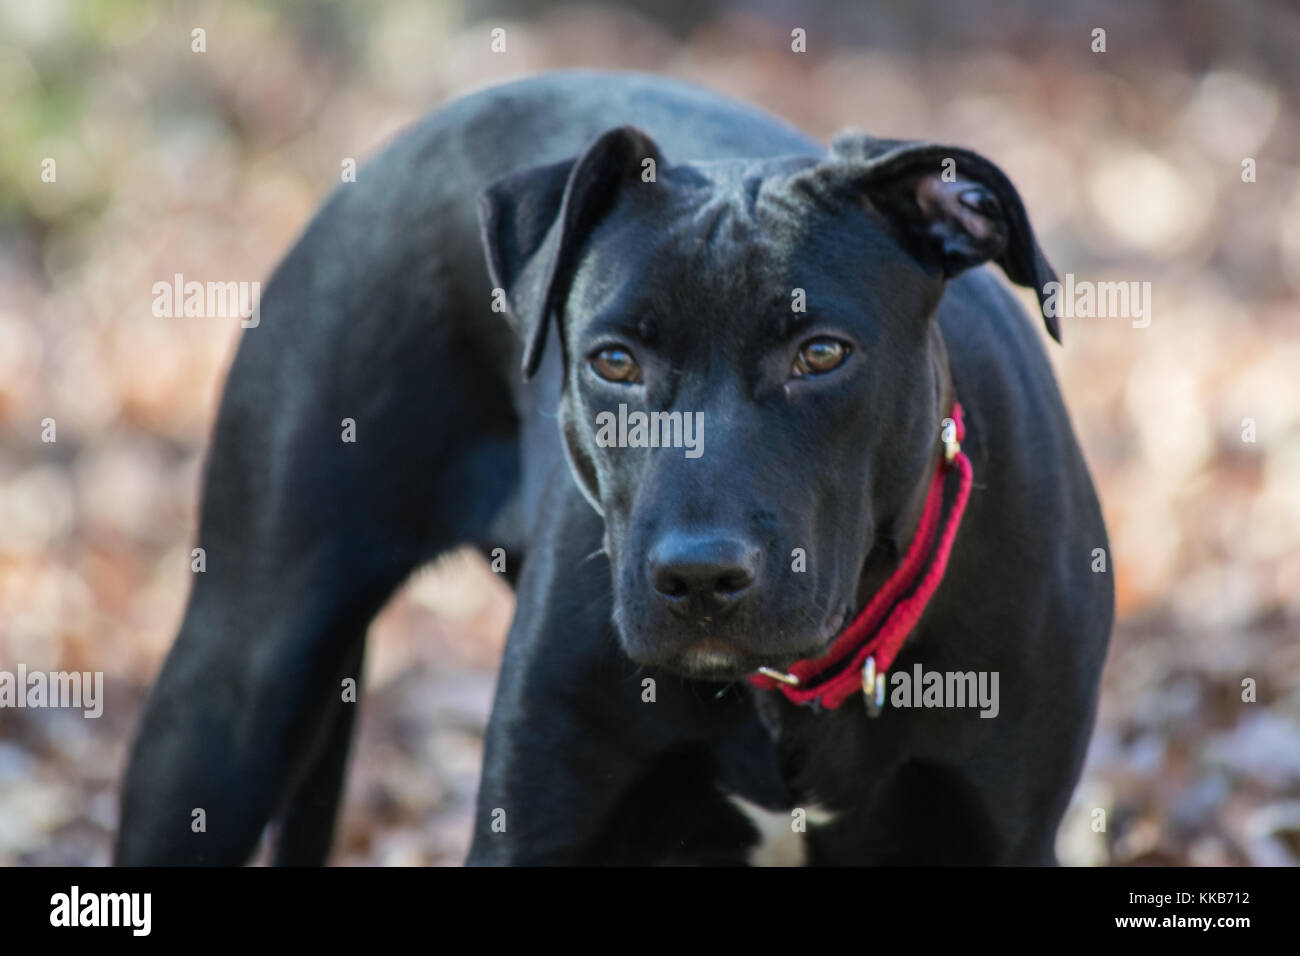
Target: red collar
864, 652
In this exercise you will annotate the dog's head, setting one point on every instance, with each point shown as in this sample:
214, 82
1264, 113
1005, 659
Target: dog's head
753, 379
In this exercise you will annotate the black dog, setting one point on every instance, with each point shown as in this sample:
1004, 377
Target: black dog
853, 440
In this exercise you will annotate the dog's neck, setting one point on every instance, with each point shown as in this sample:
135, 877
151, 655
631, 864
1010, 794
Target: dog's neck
889, 546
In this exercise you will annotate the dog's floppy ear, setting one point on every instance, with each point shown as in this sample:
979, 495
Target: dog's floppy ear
950, 208
534, 222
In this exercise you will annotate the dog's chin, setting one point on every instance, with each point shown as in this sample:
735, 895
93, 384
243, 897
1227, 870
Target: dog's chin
711, 659
714, 664
718, 652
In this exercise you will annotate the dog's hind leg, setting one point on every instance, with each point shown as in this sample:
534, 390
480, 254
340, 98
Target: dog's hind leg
306, 825
363, 431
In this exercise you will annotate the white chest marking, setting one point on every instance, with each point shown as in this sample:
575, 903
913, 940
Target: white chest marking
779, 842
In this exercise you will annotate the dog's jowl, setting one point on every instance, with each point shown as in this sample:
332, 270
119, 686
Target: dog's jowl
708, 635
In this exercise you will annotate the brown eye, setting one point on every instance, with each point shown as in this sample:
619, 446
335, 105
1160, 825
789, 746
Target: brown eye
616, 365
818, 356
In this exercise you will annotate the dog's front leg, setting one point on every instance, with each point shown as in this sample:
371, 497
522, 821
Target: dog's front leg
576, 727
563, 744
554, 772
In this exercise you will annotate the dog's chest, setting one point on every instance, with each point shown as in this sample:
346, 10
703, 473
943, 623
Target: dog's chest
782, 834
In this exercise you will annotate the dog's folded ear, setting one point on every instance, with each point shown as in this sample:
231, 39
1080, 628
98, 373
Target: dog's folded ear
534, 223
950, 208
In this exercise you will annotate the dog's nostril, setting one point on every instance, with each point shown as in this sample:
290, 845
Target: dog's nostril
732, 580
671, 585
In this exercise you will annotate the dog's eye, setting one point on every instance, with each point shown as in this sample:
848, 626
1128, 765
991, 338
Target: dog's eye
818, 356
616, 365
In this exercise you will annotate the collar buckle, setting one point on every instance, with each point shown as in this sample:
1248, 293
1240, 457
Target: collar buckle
873, 687
781, 676
951, 444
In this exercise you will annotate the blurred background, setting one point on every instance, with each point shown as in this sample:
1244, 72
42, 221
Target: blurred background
210, 163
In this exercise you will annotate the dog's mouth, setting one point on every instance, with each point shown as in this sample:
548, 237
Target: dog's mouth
715, 659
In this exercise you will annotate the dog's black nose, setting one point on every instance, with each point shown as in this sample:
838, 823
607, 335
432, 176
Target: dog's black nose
700, 575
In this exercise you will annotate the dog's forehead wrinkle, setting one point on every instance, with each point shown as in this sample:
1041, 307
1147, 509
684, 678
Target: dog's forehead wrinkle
723, 218
712, 275
738, 195
717, 259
